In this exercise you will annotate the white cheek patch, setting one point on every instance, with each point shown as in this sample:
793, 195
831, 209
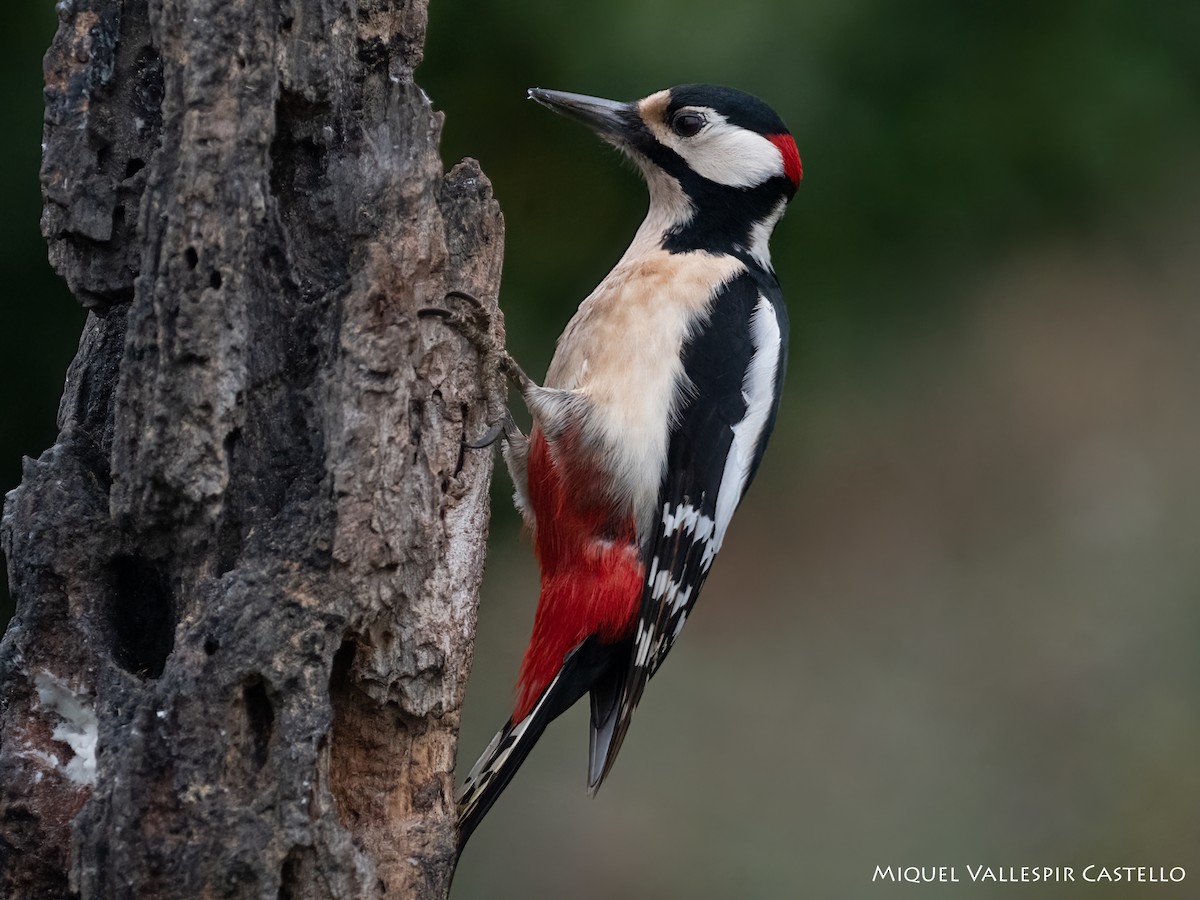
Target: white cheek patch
731, 156
724, 153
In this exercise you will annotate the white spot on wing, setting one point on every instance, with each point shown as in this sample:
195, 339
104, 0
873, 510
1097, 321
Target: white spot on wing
681, 597
644, 635
689, 519
661, 583
679, 625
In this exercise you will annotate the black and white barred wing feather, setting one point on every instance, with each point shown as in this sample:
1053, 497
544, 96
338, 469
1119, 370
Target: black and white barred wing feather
734, 362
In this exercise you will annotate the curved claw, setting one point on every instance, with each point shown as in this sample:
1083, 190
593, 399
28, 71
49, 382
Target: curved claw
463, 295
438, 312
489, 437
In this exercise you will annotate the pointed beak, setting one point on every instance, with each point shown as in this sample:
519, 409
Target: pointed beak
610, 119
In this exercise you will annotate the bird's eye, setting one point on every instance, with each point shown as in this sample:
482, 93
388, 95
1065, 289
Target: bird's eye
687, 124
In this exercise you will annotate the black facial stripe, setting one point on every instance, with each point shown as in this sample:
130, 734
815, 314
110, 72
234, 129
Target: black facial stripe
724, 215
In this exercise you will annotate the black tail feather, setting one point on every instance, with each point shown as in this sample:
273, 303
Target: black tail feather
606, 703
586, 665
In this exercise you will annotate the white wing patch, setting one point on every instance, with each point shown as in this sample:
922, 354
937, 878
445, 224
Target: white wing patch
758, 391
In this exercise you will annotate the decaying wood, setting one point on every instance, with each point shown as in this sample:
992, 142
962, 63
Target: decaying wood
246, 573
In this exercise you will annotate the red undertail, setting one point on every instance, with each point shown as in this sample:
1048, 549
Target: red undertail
587, 550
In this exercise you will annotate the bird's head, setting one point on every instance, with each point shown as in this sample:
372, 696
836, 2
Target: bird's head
720, 164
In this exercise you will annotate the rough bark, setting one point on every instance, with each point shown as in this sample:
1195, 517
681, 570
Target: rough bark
246, 572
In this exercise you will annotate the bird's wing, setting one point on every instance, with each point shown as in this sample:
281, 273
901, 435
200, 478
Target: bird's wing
734, 363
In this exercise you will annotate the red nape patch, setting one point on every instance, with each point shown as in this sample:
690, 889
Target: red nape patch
591, 573
792, 166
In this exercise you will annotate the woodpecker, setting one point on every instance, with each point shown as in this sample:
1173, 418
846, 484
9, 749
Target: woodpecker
653, 416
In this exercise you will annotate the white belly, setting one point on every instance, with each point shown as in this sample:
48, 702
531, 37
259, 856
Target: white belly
621, 354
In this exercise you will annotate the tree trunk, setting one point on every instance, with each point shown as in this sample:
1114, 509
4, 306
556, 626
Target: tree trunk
246, 573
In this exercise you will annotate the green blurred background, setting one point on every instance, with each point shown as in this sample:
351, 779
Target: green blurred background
957, 619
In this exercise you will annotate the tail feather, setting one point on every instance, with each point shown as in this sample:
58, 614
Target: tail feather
605, 698
585, 666
498, 764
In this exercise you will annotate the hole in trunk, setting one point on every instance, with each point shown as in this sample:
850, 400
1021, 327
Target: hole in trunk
141, 614
260, 713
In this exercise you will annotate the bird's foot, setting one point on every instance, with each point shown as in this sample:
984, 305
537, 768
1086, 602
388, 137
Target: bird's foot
473, 321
